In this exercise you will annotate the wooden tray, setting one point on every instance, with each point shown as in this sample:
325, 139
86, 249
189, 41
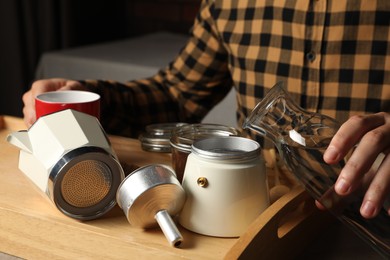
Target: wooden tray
31, 227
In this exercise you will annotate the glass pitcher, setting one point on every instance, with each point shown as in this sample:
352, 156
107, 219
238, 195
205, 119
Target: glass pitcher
301, 138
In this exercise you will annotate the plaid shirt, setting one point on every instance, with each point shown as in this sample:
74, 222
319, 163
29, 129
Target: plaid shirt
332, 55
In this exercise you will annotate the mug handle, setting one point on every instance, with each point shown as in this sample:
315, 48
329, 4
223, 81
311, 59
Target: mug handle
283, 229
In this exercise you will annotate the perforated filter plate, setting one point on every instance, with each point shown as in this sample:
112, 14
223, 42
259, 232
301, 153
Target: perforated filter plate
86, 183
83, 183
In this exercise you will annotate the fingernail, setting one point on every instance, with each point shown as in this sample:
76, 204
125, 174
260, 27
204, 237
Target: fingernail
368, 209
342, 187
331, 154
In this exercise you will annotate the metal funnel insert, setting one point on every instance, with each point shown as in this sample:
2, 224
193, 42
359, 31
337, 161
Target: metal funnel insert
149, 196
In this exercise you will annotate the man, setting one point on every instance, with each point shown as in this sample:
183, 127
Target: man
332, 55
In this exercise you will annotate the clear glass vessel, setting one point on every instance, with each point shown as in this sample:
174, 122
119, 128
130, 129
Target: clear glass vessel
301, 138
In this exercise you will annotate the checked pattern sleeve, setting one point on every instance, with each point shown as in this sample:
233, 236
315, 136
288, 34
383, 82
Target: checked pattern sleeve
333, 57
185, 91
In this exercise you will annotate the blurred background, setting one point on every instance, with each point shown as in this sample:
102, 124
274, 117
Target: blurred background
30, 28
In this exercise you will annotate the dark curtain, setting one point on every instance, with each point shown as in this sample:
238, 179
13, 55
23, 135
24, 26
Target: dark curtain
30, 27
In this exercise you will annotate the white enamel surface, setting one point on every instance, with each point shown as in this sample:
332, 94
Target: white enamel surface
236, 194
69, 97
21, 140
34, 170
52, 136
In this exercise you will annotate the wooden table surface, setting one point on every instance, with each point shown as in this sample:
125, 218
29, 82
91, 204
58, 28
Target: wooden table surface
31, 226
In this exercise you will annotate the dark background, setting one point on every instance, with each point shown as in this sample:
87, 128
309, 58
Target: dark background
30, 28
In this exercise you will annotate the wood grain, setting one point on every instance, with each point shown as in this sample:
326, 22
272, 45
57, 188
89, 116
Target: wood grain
31, 227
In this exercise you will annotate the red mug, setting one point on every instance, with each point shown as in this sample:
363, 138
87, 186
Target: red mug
55, 101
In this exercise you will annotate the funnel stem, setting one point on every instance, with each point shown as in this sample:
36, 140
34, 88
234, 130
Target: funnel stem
169, 228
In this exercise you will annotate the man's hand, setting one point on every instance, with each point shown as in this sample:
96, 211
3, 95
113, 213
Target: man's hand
372, 134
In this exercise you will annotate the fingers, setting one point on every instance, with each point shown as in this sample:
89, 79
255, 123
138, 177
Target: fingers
371, 145
72, 85
319, 205
41, 86
373, 135
349, 134
377, 191
37, 88
29, 116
